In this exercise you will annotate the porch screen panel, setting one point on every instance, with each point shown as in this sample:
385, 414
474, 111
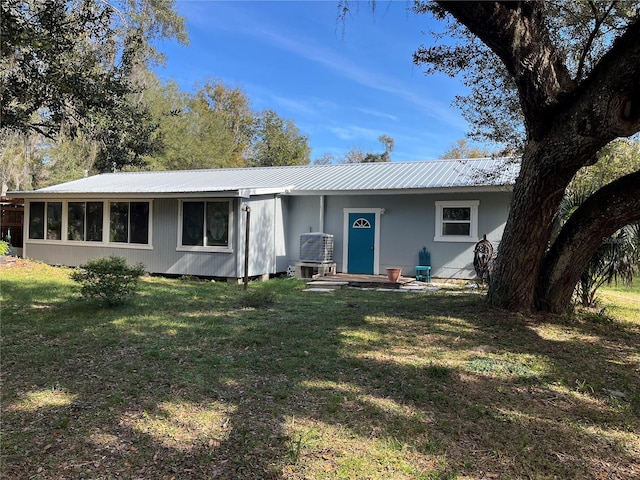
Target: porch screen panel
54, 220
94, 221
75, 230
192, 223
139, 215
36, 220
119, 222
218, 224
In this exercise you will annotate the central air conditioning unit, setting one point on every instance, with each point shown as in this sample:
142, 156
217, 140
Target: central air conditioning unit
316, 248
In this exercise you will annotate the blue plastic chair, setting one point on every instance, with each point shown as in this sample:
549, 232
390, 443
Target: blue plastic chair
423, 270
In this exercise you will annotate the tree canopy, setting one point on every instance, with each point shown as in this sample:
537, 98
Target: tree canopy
389, 145
575, 35
215, 127
462, 149
618, 257
618, 158
71, 66
78, 94
358, 155
278, 142
209, 128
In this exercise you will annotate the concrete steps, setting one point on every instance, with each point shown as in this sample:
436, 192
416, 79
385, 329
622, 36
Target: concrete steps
325, 286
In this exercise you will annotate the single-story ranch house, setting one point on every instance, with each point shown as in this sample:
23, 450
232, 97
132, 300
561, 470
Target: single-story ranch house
194, 222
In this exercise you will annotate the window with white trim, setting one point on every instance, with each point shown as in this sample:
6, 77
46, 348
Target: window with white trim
129, 222
36, 220
122, 222
45, 221
205, 225
85, 221
457, 221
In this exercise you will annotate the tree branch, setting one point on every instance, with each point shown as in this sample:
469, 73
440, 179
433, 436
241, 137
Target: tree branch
592, 34
622, 109
516, 32
603, 107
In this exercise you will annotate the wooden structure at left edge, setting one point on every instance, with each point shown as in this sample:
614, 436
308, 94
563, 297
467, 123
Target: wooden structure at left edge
12, 222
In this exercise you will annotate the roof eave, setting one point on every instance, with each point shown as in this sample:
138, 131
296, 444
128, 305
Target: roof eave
406, 191
239, 193
250, 192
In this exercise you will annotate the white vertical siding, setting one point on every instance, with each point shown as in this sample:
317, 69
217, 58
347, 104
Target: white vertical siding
303, 217
261, 239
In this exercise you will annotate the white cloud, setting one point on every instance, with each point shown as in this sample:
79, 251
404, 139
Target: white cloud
376, 113
352, 132
267, 29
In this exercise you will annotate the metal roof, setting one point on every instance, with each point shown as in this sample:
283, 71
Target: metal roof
392, 177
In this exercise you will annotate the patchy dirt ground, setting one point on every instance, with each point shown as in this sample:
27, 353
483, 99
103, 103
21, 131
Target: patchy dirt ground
7, 261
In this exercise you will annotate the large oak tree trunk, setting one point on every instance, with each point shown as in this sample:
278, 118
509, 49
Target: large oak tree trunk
547, 167
536, 198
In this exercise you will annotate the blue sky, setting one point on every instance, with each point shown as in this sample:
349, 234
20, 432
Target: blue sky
343, 86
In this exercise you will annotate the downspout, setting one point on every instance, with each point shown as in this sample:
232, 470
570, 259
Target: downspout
240, 224
321, 220
247, 209
25, 231
274, 238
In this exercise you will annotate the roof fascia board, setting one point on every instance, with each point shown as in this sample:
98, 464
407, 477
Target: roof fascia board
241, 193
405, 191
145, 195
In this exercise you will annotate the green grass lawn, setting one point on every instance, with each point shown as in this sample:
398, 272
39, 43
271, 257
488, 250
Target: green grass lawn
199, 380
621, 301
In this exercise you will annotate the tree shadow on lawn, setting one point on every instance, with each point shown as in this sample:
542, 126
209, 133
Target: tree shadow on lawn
490, 391
206, 391
135, 397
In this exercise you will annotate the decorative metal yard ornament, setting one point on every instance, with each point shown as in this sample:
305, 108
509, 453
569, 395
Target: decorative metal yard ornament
483, 258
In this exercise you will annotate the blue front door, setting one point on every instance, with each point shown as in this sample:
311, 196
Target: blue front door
361, 242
